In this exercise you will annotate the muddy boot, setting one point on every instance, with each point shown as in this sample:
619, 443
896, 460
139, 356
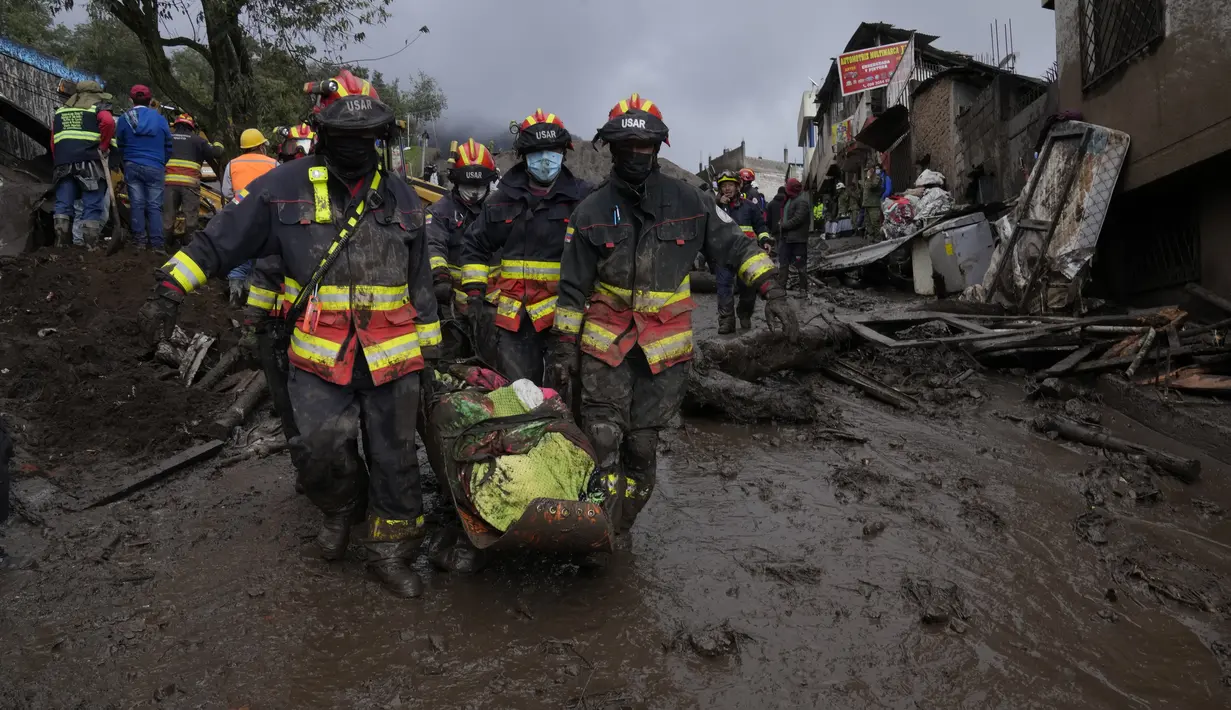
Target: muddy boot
454, 553
726, 323
62, 225
91, 234
391, 546
745, 322
335, 534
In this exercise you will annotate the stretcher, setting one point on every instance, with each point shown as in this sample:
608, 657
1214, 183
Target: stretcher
546, 524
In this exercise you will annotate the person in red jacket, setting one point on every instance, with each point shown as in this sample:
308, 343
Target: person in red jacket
81, 133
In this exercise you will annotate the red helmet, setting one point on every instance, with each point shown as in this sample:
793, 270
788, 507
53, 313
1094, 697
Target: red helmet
303, 130
634, 119
747, 175
542, 131
473, 164
185, 119
343, 85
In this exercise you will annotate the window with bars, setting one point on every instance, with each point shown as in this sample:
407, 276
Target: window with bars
1114, 31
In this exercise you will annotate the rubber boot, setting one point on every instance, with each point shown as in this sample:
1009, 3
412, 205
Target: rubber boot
140, 241
726, 323
91, 234
335, 534
63, 228
391, 546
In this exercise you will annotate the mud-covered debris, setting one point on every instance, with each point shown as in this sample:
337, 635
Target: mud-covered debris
1119, 479
871, 530
939, 603
1092, 526
1208, 508
794, 573
1169, 575
977, 515
710, 642
1082, 411
1058, 389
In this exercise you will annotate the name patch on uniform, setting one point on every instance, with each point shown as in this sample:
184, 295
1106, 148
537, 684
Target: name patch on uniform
632, 123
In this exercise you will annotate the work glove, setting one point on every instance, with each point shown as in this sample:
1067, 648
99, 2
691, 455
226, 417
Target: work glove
563, 364
476, 315
778, 310
249, 344
157, 317
443, 290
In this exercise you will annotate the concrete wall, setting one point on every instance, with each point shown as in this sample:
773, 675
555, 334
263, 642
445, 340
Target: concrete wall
1175, 102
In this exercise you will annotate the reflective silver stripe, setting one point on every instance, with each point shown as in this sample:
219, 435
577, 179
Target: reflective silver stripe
429, 333
383, 355
186, 272
299, 341
568, 320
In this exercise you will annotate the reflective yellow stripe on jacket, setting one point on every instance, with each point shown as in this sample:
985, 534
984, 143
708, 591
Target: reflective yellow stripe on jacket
648, 301
529, 270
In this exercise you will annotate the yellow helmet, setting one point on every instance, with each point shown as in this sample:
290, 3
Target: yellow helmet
251, 138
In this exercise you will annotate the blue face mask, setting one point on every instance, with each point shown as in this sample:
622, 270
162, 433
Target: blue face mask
544, 165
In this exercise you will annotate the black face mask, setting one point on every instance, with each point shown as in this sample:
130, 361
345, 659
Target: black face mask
634, 168
351, 157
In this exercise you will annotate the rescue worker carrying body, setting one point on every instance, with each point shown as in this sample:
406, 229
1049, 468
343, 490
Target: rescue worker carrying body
747, 216
242, 170
183, 186
525, 221
450, 216
359, 295
625, 295
81, 127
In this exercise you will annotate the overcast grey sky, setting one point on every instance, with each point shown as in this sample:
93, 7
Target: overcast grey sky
720, 70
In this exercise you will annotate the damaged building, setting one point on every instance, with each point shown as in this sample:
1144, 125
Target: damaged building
1157, 71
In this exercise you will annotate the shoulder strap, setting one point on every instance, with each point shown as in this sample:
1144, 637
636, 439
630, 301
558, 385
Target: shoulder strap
354, 215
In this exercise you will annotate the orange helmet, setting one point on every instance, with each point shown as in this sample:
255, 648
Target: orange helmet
542, 131
473, 164
634, 119
343, 85
747, 175
301, 131
185, 119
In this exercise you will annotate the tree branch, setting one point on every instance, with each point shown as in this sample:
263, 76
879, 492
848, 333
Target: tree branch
186, 42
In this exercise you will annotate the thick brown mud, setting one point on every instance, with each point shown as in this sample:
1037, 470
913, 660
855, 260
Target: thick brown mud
955, 559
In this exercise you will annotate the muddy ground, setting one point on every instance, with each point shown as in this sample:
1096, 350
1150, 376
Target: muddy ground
954, 559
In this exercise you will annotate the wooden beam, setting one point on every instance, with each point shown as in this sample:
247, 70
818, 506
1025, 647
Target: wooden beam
1071, 361
157, 473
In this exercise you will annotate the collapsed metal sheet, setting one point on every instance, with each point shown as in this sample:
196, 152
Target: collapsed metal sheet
834, 263
1043, 264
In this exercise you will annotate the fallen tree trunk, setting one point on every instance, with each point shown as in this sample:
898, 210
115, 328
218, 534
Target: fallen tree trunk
247, 401
1187, 470
711, 393
762, 352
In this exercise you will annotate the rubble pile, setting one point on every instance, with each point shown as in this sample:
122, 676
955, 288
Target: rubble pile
76, 380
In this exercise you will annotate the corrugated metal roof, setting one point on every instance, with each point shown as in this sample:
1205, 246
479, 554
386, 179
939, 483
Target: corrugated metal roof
44, 62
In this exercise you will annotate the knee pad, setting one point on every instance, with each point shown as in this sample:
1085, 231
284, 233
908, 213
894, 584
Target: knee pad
605, 437
641, 454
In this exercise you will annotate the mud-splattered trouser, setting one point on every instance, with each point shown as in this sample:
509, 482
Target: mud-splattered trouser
521, 354
793, 261
728, 285
872, 221
276, 380
330, 419
622, 410
175, 197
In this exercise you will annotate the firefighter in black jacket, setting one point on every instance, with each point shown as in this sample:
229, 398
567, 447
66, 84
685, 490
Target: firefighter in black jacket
748, 217
625, 300
366, 329
524, 221
447, 220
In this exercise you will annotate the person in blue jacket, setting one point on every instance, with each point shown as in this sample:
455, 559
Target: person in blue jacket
144, 139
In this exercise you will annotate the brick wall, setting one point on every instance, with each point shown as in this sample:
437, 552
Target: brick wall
931, 128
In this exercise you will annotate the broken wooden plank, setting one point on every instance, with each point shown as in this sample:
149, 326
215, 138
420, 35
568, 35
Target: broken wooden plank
963, 324
1187, 470
1147, 342
1209, 296
221, 370
247, 401
1116, 363
161, 471
1071, 361
848, 375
